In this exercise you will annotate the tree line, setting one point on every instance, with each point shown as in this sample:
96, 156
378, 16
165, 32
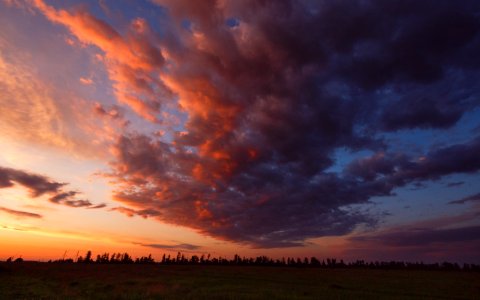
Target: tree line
313, 262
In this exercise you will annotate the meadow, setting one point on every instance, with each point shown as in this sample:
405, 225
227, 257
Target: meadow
36, 280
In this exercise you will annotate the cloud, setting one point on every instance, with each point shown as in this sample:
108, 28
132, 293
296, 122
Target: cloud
264, 203
21, 214
420, 113
33, 114
72, 203
41, 113
101, 205
269, 101
423, 236
113, 112
458, 244
145, 213
265, 116
132, 60
400, 169
173, 247
86, 81
455, 184
163, 184
39, 185
472, 198
444, 238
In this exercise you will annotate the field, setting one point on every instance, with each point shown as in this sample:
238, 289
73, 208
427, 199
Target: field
30, 280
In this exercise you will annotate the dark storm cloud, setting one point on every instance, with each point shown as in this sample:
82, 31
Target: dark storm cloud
19, 213
399, 169
39, 185
270, 100
472, 198
412, 42
262, 205
421, 113
269, 206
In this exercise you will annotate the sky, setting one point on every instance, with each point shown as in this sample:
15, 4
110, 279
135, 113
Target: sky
290, 128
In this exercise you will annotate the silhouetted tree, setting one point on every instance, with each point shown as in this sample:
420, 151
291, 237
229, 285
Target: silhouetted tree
125, 258
88, 257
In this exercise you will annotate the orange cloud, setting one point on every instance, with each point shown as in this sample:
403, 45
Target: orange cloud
135, 65
86, 81
35, 111
132, 60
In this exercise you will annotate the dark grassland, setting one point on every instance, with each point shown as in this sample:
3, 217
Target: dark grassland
31, 280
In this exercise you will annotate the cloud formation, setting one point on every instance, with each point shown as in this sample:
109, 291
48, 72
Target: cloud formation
173, 247
133, 60
414, 244
399, 169
21, 214
265, 206
37, 112
442, 238
424, 236
472, 198
455, 184
271, 90
37, 184
40, 185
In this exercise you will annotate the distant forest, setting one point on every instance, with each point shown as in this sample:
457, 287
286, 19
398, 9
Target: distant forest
312, 262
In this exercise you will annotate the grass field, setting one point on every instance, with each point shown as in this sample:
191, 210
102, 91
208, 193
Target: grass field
31, 280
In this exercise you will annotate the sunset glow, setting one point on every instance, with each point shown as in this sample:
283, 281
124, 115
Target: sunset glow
345, 129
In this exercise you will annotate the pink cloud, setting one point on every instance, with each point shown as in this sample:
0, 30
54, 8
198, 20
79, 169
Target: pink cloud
86, 81
132, 60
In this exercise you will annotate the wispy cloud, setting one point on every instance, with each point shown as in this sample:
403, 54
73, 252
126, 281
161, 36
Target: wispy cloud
172, 247
132, 60
455, 184
86, 81
40, 185
38, 112
444, 238
472, 198
19, 213
423, 236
